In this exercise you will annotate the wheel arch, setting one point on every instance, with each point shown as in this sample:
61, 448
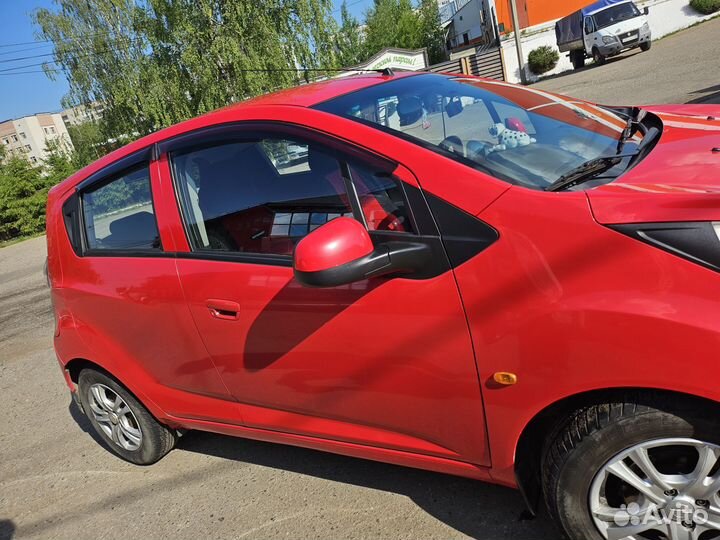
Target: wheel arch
542, 427
76, 365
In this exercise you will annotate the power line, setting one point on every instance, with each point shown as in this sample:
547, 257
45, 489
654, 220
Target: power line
52, 41
26, 49
70, 40
25, 57
54, 70
244, 70
350, 4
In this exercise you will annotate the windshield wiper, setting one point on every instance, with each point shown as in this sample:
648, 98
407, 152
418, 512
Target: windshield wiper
594, 167
634, 123
587, 171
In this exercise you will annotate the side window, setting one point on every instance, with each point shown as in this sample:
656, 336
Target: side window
119, 215
589, 26
258, 196
381, 199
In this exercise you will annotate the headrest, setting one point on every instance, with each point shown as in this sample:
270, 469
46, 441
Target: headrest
134, 230
410, 110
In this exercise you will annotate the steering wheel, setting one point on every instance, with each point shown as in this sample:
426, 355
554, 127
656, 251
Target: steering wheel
453, 144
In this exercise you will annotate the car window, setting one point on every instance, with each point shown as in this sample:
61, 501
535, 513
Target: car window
519, 135
381, 199
262, 196
119, 215
249, 197
615, 14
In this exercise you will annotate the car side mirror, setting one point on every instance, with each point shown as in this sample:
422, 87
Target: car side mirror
646, 11
341, 252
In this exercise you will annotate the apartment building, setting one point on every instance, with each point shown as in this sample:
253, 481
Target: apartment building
74, 116
29, 136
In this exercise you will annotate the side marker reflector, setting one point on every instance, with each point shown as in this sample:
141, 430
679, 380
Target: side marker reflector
505, 378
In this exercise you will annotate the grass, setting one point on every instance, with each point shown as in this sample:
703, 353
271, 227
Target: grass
19, 239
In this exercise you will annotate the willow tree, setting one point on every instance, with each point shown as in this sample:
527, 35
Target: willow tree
152, 63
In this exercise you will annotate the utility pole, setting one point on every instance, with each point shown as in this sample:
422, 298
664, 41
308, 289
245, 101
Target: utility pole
518, 43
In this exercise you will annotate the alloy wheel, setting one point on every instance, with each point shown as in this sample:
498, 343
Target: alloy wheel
664, 489
114, 417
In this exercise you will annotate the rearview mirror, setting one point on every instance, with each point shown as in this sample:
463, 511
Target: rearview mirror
342, 252
454, 107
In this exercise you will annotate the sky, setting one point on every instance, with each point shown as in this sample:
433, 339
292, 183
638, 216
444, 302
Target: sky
30, 93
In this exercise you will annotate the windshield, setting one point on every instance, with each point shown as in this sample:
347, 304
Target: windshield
519, 135
615, 14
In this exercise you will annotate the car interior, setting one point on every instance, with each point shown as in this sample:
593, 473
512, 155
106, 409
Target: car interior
240, 198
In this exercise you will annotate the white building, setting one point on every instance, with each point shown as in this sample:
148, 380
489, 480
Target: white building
470, 24
29, 136
82, 113
448, 8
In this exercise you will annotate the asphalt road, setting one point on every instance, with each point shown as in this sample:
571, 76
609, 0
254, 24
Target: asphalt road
57, 482
680, 68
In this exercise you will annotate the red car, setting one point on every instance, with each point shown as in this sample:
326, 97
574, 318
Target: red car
448, 273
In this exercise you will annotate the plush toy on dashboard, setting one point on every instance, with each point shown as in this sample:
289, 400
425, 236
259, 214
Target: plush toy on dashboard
508, 138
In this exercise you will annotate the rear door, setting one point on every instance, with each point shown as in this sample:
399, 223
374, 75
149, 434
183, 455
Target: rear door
385, 362
122, 288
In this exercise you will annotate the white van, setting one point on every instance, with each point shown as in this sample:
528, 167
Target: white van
603, 29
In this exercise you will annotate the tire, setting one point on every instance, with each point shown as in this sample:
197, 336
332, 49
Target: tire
577, 460
598, 58
578, 59
133, 434
645, 47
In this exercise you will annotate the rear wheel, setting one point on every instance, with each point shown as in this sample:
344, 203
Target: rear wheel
623, 470
578, 59
123, 423
598, 57
644, 47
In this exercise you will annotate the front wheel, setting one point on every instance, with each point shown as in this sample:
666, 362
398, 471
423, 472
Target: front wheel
625, 470
644, 47
121, 421
598, 57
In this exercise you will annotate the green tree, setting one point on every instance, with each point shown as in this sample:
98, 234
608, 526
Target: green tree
152, 63
397, 23
432, 35
89, 143
350, 39
391, 23
24, 189
23, 192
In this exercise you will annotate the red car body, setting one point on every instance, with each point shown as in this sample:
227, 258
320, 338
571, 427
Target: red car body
402, 370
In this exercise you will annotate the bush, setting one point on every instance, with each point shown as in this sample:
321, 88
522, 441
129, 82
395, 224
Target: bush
543, 59
706, 7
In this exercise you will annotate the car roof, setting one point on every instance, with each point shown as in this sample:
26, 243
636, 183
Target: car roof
308, 95
305, 95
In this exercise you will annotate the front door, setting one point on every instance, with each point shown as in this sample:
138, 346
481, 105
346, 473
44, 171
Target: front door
385, 362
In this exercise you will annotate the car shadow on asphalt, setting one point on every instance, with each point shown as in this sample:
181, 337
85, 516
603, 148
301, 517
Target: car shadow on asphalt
708, 95
7, 529
473, 508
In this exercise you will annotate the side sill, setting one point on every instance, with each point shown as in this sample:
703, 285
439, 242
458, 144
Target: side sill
373, 453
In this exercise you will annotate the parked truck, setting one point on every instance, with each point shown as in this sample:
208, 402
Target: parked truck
603, 29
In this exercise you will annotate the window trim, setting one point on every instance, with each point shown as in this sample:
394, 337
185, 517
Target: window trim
248, 130
98, 180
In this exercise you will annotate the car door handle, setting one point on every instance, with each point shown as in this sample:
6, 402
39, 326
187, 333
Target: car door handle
224, 309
